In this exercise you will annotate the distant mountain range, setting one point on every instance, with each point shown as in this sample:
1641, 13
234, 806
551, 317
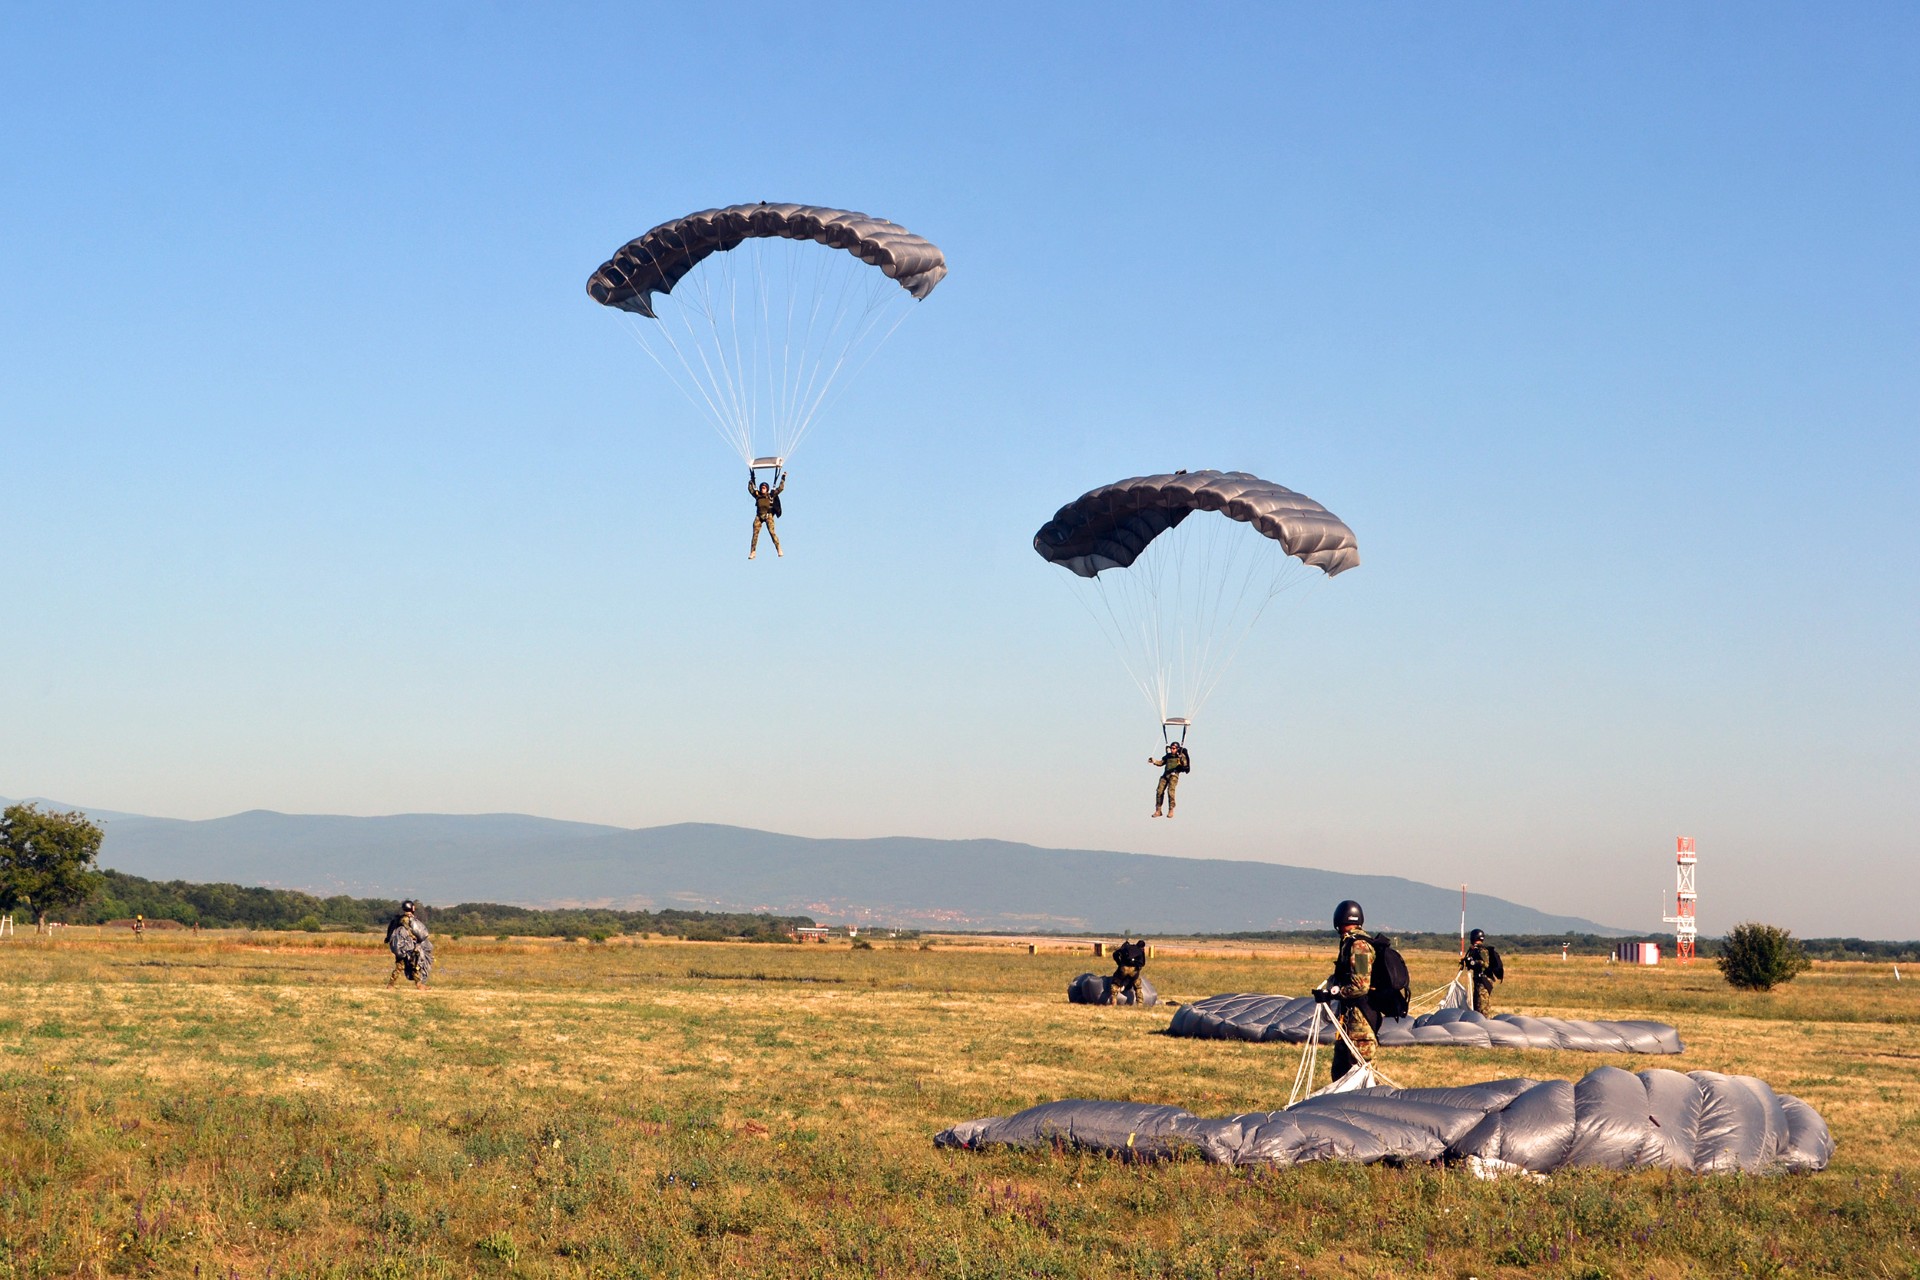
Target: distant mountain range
898, 880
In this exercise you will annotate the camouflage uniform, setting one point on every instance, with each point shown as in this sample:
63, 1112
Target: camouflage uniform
763, 504
1128, 960
412, 949
1479, 962
1352, 973
1170, 766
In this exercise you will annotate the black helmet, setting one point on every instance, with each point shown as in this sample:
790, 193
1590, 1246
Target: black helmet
1347, 913
407, 905
1478, 935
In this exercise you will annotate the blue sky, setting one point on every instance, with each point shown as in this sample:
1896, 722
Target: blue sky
328, 489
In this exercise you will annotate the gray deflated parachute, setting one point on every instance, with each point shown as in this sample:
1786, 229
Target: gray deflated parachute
1701, 1122
1092, 988
1286, 1019
655, 262
1108, 527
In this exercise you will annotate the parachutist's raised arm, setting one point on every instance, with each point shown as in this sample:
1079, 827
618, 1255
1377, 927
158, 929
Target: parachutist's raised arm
781, 487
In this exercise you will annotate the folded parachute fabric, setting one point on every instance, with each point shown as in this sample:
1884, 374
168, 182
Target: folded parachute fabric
1092, 988
1700, 1122
1286, 1018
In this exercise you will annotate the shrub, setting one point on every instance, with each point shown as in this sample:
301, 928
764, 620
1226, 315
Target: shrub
308, 922
1759, 957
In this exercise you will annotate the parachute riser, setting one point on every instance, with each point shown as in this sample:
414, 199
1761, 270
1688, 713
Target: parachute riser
1174, 729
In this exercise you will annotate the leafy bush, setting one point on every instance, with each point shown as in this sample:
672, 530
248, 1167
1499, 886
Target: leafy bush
1759, 957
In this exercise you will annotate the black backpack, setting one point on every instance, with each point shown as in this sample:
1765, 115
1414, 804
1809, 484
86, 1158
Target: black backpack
1495, 970
777, 513
1186, 762
1390, 988
1131, 954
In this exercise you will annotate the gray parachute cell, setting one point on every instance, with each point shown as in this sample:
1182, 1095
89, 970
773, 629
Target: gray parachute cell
1262, 1018
1701, 1122
1108, 527
656, 261
1092, 988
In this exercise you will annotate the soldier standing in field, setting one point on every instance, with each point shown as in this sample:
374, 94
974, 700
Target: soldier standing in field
766, 507
412, 948
1483, 962
140, 926
1346, 989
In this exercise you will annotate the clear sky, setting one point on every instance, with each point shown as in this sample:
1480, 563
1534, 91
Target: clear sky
325, 487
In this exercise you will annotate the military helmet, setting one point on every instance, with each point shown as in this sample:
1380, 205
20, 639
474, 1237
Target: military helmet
1347, 913
1478, 935
407, 905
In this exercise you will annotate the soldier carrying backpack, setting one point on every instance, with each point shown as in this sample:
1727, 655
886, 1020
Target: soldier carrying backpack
1369, 982
1482, 960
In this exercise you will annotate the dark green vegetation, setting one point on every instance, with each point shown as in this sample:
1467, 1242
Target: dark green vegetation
254, 1105
231, 906
47, 859
1759, 957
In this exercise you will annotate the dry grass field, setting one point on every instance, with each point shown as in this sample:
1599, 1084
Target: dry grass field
254, 1106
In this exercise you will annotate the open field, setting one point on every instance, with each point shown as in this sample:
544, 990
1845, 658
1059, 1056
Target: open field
234, 1105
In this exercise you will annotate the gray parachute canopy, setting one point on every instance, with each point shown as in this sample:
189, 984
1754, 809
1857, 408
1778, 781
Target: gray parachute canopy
1701, 1122
656, 261
1286, 1019
1092, 988
1108, 527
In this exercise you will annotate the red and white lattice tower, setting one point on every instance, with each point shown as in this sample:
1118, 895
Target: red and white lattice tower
1682, 921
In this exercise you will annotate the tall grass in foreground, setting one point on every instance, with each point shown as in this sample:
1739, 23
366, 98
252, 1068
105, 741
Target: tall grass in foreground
244, 1106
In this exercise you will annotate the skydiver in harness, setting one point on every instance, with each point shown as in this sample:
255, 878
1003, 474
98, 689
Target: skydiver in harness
1175, 762
766, 508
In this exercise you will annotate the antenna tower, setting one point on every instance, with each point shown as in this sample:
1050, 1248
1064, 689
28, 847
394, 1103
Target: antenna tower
1684, 900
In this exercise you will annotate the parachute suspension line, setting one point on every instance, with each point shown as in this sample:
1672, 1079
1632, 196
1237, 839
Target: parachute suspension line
1309, 1055
693, 389
863, 326
765, 367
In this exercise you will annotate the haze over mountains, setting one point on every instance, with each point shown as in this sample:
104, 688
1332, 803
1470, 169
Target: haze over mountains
904, 881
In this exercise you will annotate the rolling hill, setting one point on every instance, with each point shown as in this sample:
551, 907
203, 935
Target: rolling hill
899, 880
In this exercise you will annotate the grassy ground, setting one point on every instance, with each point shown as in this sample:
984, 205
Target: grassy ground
254, 1106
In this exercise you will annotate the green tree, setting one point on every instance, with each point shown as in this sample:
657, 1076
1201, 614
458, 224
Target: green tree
47, 860
1759, 957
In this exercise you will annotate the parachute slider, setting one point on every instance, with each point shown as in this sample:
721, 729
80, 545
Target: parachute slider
771, 464
1171, 723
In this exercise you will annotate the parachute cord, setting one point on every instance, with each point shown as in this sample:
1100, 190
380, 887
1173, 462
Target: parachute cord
1309, 1055
716, 419
865, 325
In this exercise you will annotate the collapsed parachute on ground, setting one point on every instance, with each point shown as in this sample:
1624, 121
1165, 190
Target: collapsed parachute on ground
1092, 988
759, 312
1700, 1122
1262, 1018
1178, 568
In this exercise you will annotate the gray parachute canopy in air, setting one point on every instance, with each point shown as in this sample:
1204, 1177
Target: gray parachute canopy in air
1286, 1019
656, 261
1701, 1122
1108, 527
